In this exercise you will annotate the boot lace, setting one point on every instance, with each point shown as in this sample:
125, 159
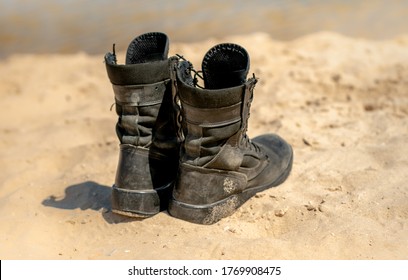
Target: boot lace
249, 96
176, 100
197, 73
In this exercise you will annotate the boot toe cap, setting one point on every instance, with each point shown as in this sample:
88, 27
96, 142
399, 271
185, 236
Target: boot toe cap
279, 152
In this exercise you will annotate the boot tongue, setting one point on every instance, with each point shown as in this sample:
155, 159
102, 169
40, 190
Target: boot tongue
225, 65
148, 47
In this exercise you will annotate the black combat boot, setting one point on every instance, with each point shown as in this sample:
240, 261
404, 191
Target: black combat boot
220, 168
146, 127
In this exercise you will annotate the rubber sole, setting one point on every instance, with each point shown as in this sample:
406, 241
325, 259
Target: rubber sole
140, 203
211, 213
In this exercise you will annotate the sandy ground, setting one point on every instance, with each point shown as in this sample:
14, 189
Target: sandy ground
342, 103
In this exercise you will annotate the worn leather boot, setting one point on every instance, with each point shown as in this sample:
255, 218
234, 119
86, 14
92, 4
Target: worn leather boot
146, 127
220, 167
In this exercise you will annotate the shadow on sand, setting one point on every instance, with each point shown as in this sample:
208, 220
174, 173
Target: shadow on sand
88, 195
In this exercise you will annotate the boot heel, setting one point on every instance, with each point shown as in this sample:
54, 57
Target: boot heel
205, 196
140, 203
137, 192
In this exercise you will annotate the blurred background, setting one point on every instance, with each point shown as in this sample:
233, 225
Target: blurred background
67, 26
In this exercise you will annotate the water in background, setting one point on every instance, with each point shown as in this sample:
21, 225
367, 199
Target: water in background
65, 26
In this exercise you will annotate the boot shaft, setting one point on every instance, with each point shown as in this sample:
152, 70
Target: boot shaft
214, 122
138, 98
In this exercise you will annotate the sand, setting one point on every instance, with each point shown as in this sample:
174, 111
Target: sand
341, 102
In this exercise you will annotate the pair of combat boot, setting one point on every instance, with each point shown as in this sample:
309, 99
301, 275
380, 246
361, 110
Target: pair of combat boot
184, 147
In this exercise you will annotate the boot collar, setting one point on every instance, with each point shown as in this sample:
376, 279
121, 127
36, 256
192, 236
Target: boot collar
131, 74
209, 98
